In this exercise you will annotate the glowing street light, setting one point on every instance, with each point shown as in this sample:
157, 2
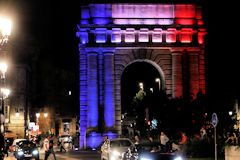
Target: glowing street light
159, 83
5, 92
45, 115
37, 115
5, 29
141, 85
3, 69
151, 89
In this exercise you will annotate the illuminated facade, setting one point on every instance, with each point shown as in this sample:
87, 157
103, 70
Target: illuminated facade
112, 36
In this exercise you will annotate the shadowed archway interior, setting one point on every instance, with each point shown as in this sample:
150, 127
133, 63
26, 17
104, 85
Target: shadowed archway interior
135, 73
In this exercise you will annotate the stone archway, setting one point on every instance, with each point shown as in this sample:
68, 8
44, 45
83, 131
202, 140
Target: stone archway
159, 58
140, 94
110, 40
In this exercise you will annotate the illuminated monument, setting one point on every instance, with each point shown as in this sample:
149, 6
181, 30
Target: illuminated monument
112, 36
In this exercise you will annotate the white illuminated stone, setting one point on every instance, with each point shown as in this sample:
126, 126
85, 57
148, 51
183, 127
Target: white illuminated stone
116, 35
130, 35
157, 35
143, 35
171, 36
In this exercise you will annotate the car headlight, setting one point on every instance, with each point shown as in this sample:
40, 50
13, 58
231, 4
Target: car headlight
144, 158
35, 152
20, 153
178, 158
116, 153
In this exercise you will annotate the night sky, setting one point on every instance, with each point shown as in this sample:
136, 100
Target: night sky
53, 25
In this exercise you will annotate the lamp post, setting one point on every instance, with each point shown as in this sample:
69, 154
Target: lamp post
5, 31
159, 83
141, 85
46, 115
3, 70
37, 115
5, 92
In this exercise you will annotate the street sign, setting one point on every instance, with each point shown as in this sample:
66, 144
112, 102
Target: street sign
214, 119
214, 123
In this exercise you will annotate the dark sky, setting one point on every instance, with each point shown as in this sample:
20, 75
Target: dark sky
54, 25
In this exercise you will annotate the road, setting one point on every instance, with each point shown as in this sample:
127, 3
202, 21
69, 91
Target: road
71, 155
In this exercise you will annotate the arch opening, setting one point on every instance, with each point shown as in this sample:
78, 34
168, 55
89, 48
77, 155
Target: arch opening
142, 94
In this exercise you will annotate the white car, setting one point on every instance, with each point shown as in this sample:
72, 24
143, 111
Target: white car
15, 143
112, 149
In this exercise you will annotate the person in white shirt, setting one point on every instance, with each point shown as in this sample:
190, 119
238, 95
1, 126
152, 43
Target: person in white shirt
46, 147
164, 139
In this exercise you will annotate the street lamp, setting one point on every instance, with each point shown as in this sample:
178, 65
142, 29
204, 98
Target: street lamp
5, 29
37, 115
159, 83
151, 89
3, 69
5, 92
141, 85
45, 115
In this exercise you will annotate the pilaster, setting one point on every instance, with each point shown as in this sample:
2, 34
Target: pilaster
92, 91
109, 105
177, 75
193, 74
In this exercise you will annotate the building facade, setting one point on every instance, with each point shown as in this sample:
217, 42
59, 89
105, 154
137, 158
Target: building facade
17, 120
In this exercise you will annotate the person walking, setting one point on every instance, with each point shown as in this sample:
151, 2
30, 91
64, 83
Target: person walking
51, 144
61, 141
136, 140
46, 147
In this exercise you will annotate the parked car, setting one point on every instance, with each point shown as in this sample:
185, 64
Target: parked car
114, 148
151, 151
26, 150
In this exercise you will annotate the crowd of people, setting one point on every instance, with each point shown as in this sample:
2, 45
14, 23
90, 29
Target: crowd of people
181, 141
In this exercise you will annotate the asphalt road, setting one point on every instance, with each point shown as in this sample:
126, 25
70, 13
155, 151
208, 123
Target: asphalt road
70, 155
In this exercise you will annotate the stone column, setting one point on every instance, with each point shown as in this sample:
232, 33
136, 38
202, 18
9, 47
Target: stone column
193, 74
92, 91
109, 106
177, 74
